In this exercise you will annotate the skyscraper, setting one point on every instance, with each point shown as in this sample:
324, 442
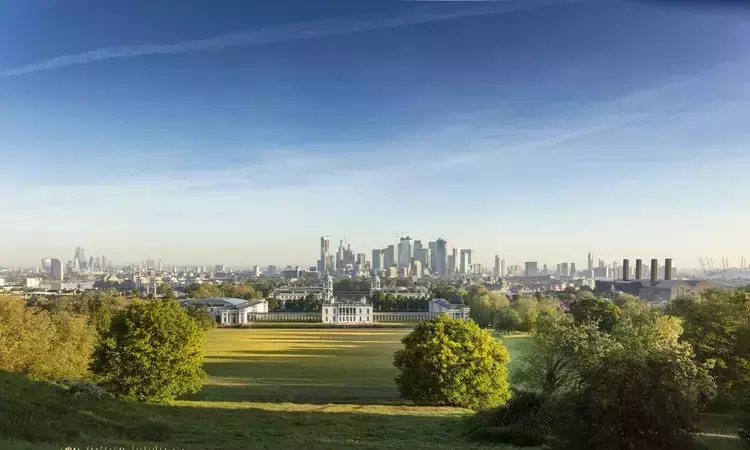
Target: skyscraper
591, 264
325, 250
422, 255
572, 269
417, 245
56, 269
432, 247
564, 271
502, 268
47, 265
496, 269
441, 258
390, 256
405, 252
378, 262
453, 261
466, 264
531, 269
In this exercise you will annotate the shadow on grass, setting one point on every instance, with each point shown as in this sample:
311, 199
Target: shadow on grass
37, 415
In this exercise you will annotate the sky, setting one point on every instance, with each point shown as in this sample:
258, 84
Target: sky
238, 133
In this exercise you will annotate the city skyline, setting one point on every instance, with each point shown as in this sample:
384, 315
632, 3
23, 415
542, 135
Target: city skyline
538, 130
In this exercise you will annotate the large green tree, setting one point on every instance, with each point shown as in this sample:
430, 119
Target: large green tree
591, 309
717, 325
452, 362
152, 352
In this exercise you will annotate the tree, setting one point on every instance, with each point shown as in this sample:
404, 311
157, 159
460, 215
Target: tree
717, 325
207, 290
485, 305
507, 319
597, 310
560, 349
201, 316
43, 344
643, 393
527, 308
452, 362
165, 291
630, 401
152, 352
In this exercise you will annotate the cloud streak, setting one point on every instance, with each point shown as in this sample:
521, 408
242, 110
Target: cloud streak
286, 33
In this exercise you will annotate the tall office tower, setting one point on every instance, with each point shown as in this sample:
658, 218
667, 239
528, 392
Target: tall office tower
466, 263
378, 262
502, 268
161, 265
439, 266
532, 269
98, 263
80, 254
331, 264
496, 269
105, 266
405, 252
150, 264
325, 250
361, 260
390, 257
90, 264
558, 272
417, 245
591, 264
432, 247
564, 271
453, 262
256, 271
56, 269
572, 269
422, 255
47, 265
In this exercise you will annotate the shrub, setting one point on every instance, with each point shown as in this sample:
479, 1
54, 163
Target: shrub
523, 422
152, 352
452, 362
201, 316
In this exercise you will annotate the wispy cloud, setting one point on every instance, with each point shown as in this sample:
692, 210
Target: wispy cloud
156, 154
286, 33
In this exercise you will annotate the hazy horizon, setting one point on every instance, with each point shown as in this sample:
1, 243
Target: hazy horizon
537, 130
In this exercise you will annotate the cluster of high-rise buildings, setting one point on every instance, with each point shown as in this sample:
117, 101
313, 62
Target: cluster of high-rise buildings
79, 264
406, 257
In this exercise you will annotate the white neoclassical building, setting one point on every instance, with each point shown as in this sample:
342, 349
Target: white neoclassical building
343, 312
230, 311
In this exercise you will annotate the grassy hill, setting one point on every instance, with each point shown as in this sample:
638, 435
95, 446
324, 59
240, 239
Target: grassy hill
267, 388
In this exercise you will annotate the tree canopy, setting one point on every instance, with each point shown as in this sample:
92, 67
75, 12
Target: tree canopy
152, 352
452, 362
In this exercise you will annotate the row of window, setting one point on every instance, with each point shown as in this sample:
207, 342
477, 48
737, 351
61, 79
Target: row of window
350, 319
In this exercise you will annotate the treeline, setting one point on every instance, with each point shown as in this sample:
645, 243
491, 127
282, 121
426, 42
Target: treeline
612, 374
140, 349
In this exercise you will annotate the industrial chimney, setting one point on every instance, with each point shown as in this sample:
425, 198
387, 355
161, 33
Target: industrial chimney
654, 270
625, 269
668, 269
638, 269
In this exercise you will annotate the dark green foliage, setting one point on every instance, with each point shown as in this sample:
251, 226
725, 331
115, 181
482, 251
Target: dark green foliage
717, 325
743, 420
507, 319
201, 316
152, 430
394, 302
597, 310
524, 421
452, 362
633, 402
153, 352
310, 303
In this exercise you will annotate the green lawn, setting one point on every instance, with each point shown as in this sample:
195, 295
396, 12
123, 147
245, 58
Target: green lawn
268, 388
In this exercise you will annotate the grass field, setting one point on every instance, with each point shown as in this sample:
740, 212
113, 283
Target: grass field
268, 388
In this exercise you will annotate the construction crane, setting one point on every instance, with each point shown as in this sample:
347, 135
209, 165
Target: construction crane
703, 264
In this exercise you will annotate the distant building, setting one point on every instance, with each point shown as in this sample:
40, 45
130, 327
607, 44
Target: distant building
423, 256
441, 306
417, 268
573, 269
502, 268
496, 269
466, 264
453, 262
47, 265
390, 257
56, 270
347, 312
271, 271
33, 283
229, 311
661, 290
325, 251
405, 252
441, 266
256, 271
378, 259
531, 269
564, 271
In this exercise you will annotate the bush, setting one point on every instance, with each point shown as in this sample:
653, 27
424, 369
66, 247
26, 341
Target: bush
452, 362
523, 422
201, 317
507, 319
152, 352
743, 421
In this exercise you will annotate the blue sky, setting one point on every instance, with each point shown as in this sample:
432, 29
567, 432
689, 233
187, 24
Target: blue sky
230, 132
